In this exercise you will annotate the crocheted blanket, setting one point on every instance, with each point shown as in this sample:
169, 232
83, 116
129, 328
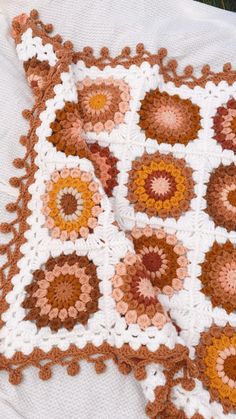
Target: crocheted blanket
122, 244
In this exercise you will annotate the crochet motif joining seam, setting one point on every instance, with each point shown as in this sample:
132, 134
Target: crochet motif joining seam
125, 160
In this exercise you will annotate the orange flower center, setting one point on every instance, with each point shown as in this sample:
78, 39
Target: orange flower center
98, 101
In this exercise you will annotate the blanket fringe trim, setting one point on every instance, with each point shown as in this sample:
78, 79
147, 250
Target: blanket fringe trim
168, 68
127, 360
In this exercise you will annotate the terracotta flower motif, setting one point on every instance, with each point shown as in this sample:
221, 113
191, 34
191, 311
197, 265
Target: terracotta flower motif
135, 295
63, 293
66, 132
225, 125
216, 359
71, 204
20, 21
102, 103
219, 275
36, 73
160, 185
169, 119
163, 256
105, 166
221, 196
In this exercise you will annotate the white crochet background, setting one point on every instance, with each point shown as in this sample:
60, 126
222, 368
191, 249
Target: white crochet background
189, 308
195, 228
105, 247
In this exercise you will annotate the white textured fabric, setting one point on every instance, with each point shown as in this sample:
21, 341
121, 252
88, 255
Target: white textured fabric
194, 34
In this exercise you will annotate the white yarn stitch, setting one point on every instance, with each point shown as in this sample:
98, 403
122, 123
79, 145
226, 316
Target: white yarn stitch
107, 245
32, 46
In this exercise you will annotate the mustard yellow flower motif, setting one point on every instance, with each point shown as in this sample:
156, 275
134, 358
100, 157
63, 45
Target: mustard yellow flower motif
216, 358
71, 204
160, 185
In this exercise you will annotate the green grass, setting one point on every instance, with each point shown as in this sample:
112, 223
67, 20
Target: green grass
223, 4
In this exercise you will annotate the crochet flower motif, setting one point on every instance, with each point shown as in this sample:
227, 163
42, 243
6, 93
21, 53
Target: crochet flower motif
169, 119
221, 196
216, 359
105, 166
163, 256
63, 293
160, 185
36, 73
71, 204
219, 275
225, 125
20, 20
102, 103
135, 295
66, 131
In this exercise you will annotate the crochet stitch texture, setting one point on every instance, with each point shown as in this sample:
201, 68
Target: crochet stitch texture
123, 241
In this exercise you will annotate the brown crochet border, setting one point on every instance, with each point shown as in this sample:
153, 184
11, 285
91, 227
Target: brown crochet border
126, 58
126, 359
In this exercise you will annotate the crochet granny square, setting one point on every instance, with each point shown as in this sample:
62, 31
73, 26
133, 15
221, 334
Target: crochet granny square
123, 242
